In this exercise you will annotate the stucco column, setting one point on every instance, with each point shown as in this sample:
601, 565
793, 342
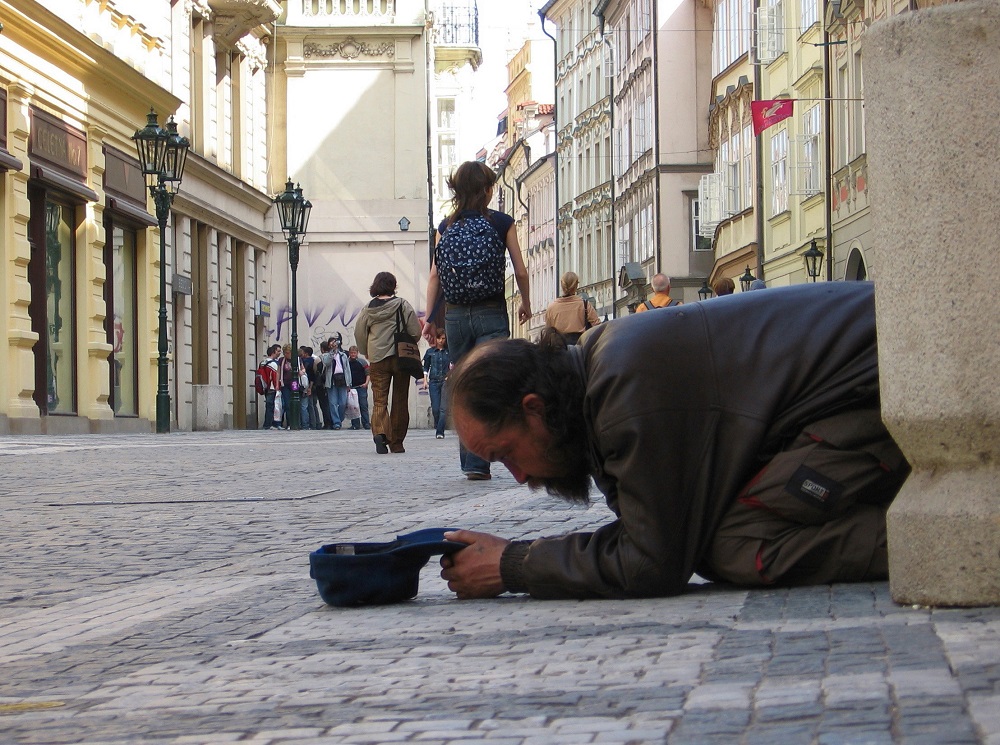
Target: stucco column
932, 116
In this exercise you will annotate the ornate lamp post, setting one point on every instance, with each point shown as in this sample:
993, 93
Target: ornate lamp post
162, 155
746, 280
814, 260
705, 292
293, 212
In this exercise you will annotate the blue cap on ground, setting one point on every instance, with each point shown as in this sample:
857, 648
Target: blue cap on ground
350, 574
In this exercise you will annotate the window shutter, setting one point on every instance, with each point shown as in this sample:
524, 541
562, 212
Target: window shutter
767, 44
710, 203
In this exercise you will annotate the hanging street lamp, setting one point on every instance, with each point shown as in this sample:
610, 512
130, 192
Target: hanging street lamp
705, 292
293, 213
813, 258
162, 155
746, 280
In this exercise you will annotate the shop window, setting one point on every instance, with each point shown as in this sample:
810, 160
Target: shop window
59, 338
124, 327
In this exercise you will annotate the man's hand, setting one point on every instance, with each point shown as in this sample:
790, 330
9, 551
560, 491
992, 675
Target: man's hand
474, 572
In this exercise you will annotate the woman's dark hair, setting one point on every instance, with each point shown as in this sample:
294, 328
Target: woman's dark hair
470, 184
491, 382
383, 284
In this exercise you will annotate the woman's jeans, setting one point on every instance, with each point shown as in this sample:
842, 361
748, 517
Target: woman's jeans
286, 406
436, 389
467, 326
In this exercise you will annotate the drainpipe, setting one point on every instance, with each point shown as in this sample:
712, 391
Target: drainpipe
599, 12
430, 154
759, 165
656, 134
828, 116
555, 141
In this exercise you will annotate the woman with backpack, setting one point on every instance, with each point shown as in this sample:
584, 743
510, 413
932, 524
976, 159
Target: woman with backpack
570, 314
466, 283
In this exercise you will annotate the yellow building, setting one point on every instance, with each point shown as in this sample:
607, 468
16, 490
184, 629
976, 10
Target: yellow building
79, 261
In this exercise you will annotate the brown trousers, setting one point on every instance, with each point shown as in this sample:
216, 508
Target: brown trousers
391, 423
816, 512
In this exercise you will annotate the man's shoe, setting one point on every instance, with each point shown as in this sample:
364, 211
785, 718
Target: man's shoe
477, 476
438, 437
381, 444
398, 449
336, 426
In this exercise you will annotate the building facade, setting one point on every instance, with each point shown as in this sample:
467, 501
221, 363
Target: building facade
661, 64
80, 250
585, 219
352, 101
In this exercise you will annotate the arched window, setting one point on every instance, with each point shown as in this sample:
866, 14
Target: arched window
856, 269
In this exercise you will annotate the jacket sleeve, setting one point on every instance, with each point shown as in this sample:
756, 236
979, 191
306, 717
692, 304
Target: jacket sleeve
411, 320
592, 316
361, 332
646, 552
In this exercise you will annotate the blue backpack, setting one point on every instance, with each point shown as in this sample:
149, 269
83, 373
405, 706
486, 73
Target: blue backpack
470, 260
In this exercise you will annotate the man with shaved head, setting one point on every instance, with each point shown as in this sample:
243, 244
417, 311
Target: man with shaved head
739, 438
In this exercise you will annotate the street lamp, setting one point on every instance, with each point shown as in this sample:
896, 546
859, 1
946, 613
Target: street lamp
705, 292
746, 280
293, 212
814, 260
162, 156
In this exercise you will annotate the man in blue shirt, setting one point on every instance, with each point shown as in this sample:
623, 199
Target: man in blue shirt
436, 366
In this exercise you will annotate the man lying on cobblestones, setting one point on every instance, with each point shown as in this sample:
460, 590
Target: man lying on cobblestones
739, 438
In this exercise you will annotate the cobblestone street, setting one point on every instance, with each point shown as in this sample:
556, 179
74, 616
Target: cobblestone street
156, 588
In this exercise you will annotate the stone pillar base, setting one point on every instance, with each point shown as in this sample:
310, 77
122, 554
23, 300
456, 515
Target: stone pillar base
944, 539
931, 78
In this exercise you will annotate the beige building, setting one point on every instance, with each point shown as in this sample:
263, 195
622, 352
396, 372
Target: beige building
585, 233
525, 180
351, 107
726, 215
661, 64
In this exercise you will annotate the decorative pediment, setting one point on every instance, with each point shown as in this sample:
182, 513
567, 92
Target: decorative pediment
234, 19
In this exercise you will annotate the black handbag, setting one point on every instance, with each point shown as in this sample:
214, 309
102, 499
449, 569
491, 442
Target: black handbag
406, 349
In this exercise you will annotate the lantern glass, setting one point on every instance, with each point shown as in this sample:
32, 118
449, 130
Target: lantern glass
813, 258
175, 157
285, 203
746, 280
151, 146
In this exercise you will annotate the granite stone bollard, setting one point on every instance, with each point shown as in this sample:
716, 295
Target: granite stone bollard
931, 78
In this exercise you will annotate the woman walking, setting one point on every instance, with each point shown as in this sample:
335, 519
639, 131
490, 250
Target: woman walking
467, 277
375, 337
570, 314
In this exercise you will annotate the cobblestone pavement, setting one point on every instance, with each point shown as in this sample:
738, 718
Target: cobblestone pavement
155, 588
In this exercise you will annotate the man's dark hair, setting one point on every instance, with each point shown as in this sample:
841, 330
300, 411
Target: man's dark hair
383, 284
491, 382
273, 348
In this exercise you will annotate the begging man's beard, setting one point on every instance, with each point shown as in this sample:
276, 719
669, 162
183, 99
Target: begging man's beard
571, 458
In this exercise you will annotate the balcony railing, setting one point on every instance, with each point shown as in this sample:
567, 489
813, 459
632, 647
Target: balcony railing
457, 24
344, 9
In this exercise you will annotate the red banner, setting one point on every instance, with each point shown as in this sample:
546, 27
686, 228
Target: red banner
768, 113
